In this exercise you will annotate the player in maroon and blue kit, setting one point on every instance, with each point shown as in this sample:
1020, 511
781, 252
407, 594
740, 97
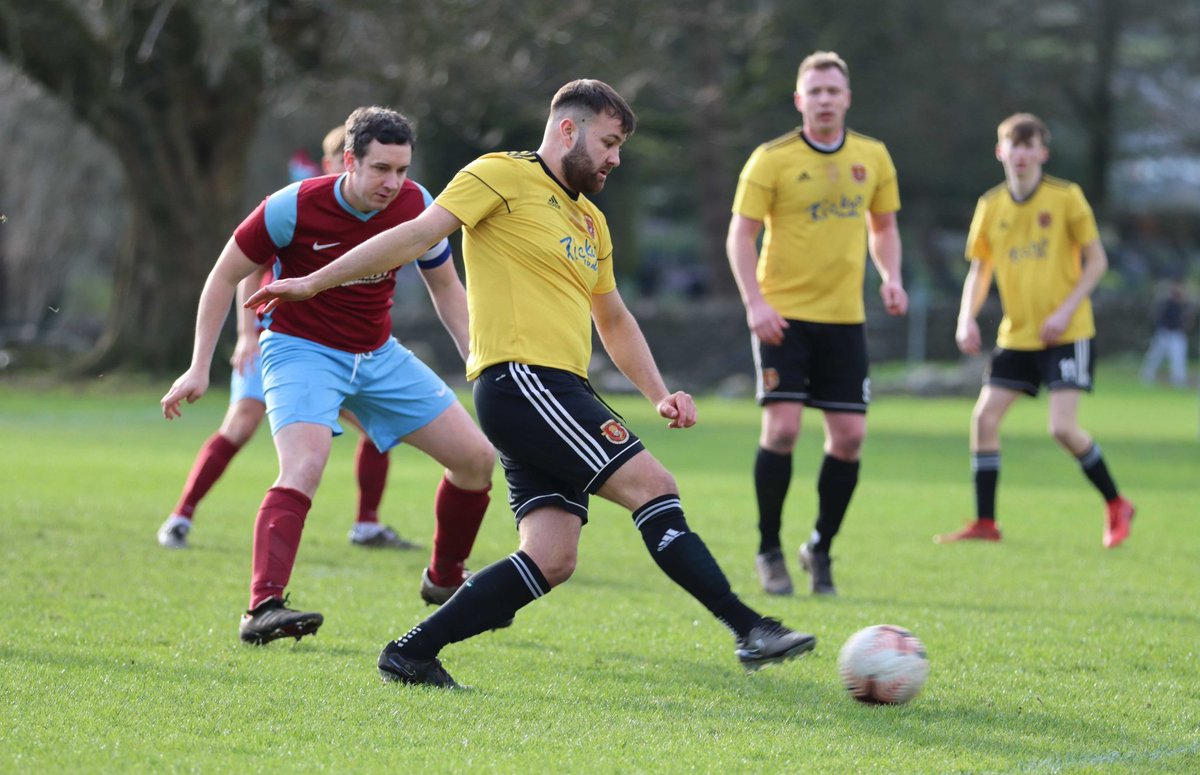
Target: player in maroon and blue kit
338, 351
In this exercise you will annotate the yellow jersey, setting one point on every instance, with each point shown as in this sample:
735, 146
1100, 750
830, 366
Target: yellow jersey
1034, 247
813, 204
534, 254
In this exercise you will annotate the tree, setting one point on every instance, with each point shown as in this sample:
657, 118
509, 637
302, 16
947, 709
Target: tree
175, 88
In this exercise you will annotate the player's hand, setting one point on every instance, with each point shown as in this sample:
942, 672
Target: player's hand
273, 294
1054, 327
765, 322
190, 386
967, 337
895, 300
679, 408
244, 353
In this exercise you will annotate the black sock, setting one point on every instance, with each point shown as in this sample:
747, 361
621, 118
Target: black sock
686, 560
1092, 463
986, 468
835, 485
488, 598
772, 475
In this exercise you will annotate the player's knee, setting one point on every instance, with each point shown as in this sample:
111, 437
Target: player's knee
557, 566
781, 441
847, 446
1062, 432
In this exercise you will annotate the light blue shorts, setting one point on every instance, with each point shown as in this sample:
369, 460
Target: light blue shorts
390, 390
248, 385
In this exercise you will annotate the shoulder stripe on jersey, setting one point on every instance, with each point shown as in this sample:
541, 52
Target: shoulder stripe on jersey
589, 450
790, 137
996, 190
494, 191
280, 215
861, 136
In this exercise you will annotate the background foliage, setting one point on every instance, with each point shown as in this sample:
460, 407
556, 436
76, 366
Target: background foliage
139, 131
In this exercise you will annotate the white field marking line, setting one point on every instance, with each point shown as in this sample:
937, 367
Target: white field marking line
1052, 764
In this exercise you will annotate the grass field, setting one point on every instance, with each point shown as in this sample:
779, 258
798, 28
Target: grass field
1049, 653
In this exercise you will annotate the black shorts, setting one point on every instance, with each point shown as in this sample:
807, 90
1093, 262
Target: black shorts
557, 441
1062, 367
823, 365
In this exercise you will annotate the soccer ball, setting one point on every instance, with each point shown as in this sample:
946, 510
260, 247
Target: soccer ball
883, 664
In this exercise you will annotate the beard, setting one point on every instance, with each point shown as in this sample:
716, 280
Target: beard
579, 171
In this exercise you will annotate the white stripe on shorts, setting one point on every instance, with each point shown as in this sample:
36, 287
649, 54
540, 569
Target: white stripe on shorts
558, 418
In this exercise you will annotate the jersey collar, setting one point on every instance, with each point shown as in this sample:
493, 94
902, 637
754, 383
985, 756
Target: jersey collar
573, 194
341, 200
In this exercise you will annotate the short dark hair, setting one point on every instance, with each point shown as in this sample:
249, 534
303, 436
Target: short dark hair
376, 123
596, 97
1021, 128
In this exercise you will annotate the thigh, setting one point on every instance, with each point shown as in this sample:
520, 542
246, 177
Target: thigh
303, 450
303, 381
641, 479
781, 370
838, 378
395, 394
557, 441
452, 438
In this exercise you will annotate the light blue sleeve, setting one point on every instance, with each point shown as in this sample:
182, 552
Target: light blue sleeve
280, 215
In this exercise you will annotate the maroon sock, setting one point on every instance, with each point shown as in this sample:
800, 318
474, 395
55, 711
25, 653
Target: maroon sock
458, 513
211, 461
276, 540
371, 465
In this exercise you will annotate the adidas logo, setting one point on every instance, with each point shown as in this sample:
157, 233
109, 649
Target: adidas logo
668, 537
804, 176
553, 202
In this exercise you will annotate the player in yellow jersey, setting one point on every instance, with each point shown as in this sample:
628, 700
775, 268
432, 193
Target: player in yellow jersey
1037, 236
813, 189
539, 259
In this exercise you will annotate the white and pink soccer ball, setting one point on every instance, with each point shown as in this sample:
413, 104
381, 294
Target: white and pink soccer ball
883, 664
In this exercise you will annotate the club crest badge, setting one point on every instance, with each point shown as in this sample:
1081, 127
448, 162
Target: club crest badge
614, 432
1044, 219
770, 380
590, 225
859, 172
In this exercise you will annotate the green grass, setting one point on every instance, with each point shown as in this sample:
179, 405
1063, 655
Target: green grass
1049, 653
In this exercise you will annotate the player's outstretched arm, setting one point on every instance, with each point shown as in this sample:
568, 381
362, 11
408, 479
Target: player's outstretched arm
625, 344
219, 290
395, 247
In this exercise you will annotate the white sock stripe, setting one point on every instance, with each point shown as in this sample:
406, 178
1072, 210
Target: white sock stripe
526, 576
985, 462
559, 420
654, 511
1089, 457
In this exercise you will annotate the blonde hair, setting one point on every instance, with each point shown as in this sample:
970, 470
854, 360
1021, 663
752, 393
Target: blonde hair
822, 60
334, 142
1021, 128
